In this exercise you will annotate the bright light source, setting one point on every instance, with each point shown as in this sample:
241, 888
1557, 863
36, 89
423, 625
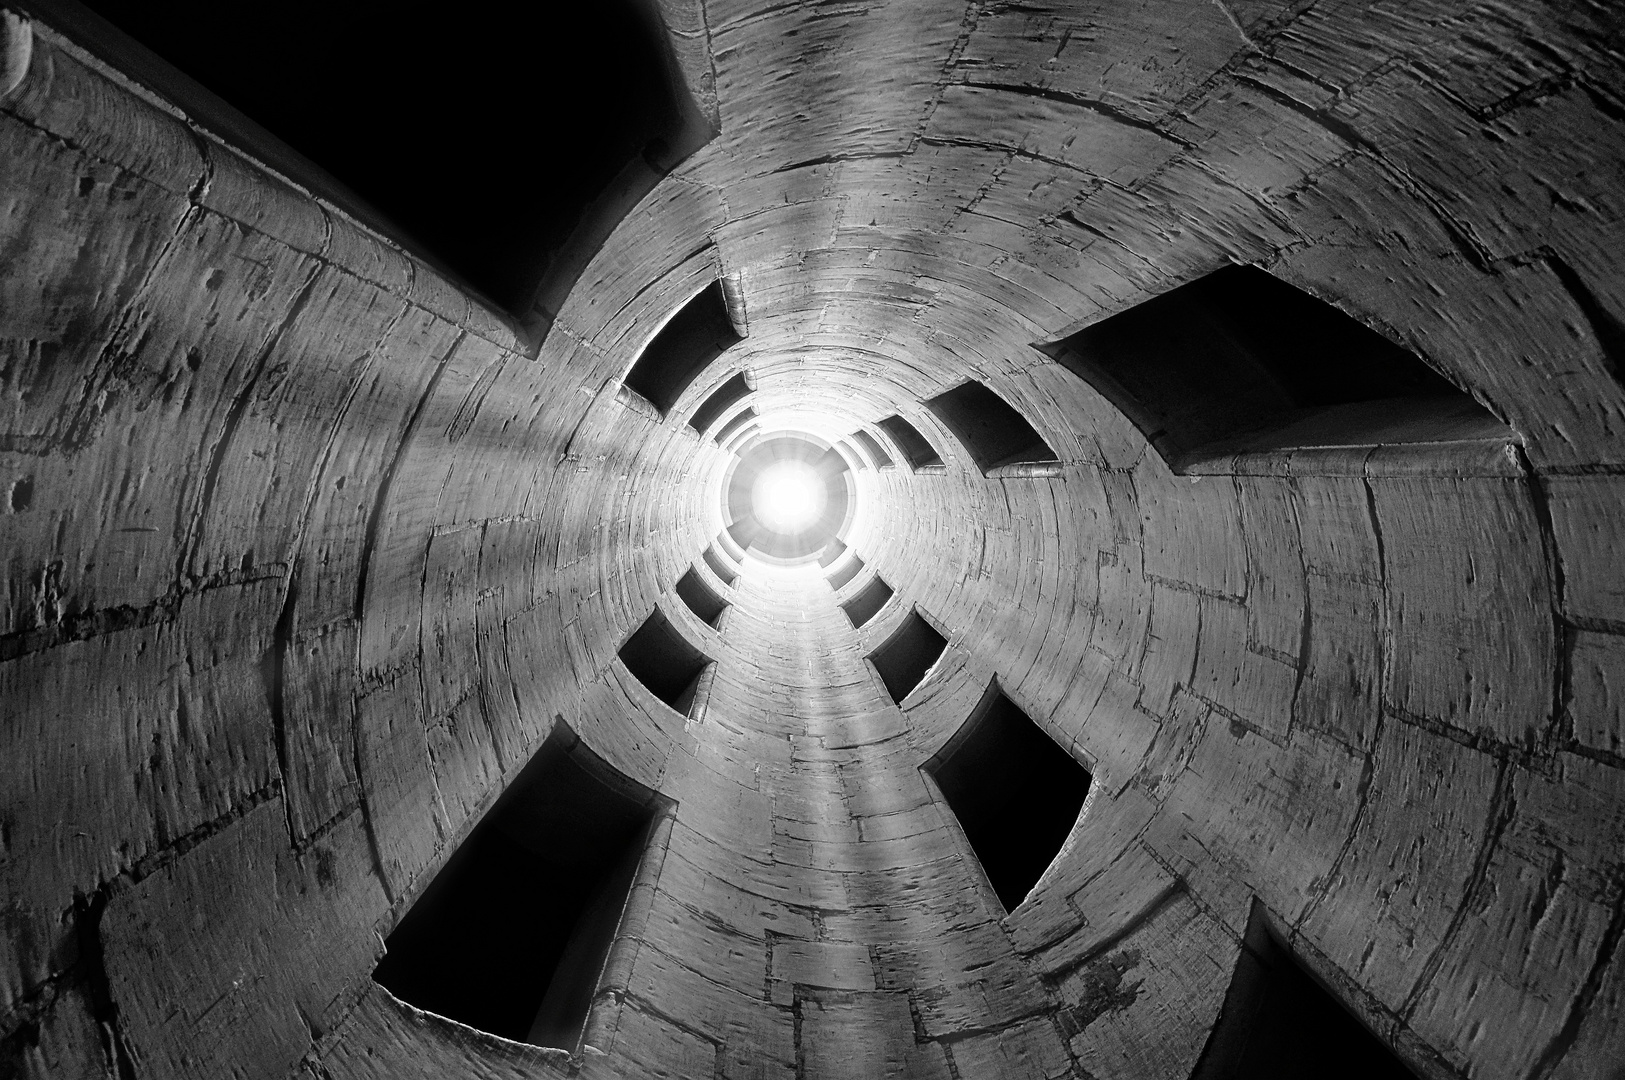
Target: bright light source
788, 497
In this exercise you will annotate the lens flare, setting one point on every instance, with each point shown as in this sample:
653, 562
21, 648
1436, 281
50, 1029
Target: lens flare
788, 497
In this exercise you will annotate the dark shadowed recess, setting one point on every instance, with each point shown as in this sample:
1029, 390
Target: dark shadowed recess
915, 447
1241, 361
743, 417
511, 935
840, 578
745, 435
1280, 1023
699, 333
870, 599
907, 655
872, 447
1015, 793
725, 573
662, 659
990, 428
720, 401
483, 131
701, 599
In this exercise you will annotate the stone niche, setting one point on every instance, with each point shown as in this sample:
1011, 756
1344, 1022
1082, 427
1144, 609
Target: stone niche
513, 933
1015, 794
907, 656
659, 657
1239, 363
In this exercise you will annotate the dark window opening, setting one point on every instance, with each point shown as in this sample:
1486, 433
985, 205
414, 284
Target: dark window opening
660, 658
870, 599
701, 599
872, 447
746, 415
915, 448
486, 159
1279, 1023
721, 399
832, 551
990, 428
908, 655
512, 934
725, 573
1015, 793
852, 455
743, 437
1241, 361
842, 577
699, 333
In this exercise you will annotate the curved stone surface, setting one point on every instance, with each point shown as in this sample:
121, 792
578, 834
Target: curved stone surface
306, 551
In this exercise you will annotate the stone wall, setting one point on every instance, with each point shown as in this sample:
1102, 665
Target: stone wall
306, 551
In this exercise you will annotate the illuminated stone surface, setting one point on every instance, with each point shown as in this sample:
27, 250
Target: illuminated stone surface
307, 548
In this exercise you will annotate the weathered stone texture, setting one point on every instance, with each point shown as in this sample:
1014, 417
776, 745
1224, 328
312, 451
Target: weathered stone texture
306, 554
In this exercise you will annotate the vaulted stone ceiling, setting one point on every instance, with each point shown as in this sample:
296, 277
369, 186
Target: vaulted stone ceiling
309, 549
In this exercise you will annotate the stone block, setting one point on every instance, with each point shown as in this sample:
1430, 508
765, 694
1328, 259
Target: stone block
1596, 690
1470, 607
189, 950
1427, 805
1585, 521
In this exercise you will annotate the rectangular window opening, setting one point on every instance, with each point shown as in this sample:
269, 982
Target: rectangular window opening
1015, 793
699, 333
512, 935
843, 577
1241, 362
1279, 1022
832, 551
279, 91
725, 573
990, 428
745, 435
720, 401
743, 417
908, 655
701, 599
872, 447
660, 657
916, 449
870, 599
852, 455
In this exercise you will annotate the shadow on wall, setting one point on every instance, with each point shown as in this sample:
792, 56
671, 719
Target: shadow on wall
505, 164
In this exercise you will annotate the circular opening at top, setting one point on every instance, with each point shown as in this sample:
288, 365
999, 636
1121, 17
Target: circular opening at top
788, 496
